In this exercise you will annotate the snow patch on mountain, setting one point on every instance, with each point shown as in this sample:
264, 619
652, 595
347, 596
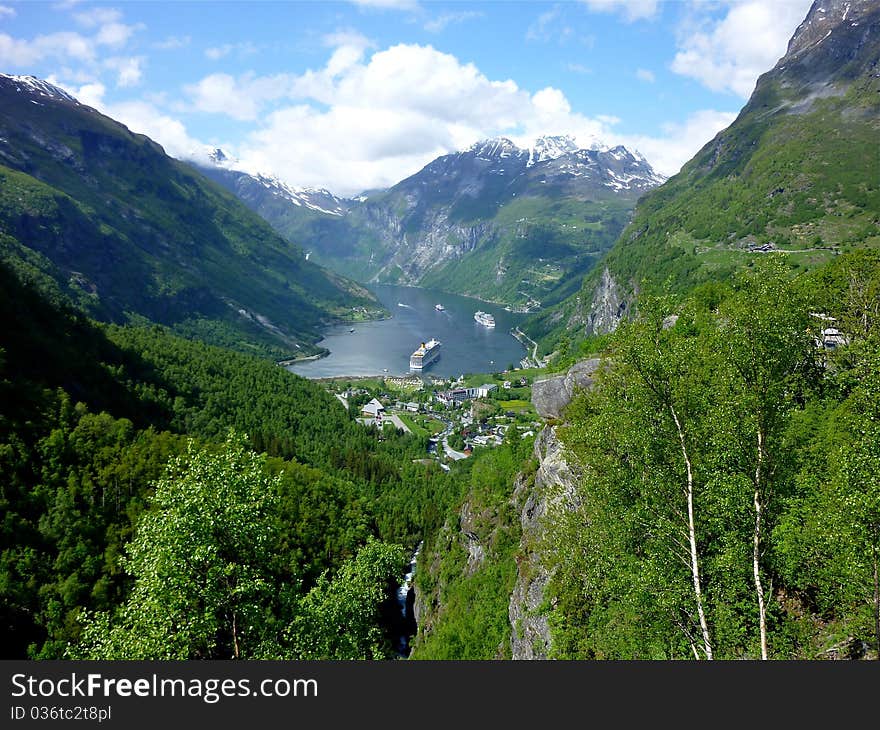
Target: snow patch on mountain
550, 148
33, 85
317, 199
494, 148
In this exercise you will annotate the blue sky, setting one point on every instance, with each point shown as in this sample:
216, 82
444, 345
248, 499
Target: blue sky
357, 95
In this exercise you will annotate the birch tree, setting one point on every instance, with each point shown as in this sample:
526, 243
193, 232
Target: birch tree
640, 451
764, 334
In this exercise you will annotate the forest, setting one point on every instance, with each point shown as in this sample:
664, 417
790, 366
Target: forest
728, 492
115, 442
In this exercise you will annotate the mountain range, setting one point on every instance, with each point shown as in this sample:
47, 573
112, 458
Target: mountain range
102, 218
798, 171
515, 225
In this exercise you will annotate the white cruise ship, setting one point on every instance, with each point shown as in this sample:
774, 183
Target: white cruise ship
484, 318
425, 354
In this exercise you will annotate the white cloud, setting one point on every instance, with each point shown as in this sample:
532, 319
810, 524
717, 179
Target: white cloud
115, 35
173, 42
245, 48
550, 26
348, 37
680, 141
69, 46
441, 22
129, 71
364, 122
631, 9
387, 4
578, 68
91, 94
6, 11
644, 74
240, 97
98, 16
64, 45
729, 54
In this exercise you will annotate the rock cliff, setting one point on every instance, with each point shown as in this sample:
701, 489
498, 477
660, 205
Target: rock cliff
553, 488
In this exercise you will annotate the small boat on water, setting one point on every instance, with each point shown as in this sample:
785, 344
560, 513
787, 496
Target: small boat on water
352, 329
439, 307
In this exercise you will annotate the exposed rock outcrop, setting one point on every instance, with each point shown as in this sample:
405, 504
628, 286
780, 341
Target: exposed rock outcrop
608, 306
552, 395
553, 488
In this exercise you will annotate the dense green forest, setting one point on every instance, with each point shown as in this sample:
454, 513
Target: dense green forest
728, 492
469, 566
92, 415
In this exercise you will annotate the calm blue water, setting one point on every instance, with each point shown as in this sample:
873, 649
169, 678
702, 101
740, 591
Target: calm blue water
374, 346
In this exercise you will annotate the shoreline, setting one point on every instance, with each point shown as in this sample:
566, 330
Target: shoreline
390, 316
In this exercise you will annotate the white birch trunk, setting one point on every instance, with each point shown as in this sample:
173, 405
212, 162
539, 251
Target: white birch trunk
692, 537
756, 547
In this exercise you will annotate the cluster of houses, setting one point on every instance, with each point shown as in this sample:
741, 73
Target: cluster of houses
457, 396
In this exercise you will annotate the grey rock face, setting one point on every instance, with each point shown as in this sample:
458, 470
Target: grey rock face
551, 396
554, 488
608, 306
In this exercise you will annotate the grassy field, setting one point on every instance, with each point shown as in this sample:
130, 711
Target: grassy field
421, 425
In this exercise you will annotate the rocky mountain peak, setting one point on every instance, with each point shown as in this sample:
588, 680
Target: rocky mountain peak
495, 147
551, 147
218, 156
36, 87
824, 16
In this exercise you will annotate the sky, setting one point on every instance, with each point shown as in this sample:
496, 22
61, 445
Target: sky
357, 95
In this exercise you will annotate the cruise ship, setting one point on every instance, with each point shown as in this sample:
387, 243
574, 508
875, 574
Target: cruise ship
484, 318
425, 354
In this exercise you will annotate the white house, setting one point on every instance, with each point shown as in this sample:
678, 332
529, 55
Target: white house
373, 409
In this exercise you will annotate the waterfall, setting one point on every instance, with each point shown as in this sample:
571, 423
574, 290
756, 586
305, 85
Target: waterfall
405, 601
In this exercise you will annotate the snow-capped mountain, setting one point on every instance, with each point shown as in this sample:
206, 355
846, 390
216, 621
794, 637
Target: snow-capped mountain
551, 160
495, 202
36, 87
549, 148
255, 188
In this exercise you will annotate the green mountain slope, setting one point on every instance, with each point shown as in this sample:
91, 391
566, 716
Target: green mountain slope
798, 171
105, 219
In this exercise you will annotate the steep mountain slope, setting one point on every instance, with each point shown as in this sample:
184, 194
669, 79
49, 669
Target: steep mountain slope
104, 218
798, 171
515, 225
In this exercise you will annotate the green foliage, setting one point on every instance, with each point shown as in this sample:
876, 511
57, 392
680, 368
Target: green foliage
738, 363
210, 582
351, 601
469, 597
795, 169
200, 560
90, 415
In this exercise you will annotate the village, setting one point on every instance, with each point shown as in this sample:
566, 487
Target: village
454, 416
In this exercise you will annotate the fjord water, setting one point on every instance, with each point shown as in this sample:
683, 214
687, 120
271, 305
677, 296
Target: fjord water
373, 347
